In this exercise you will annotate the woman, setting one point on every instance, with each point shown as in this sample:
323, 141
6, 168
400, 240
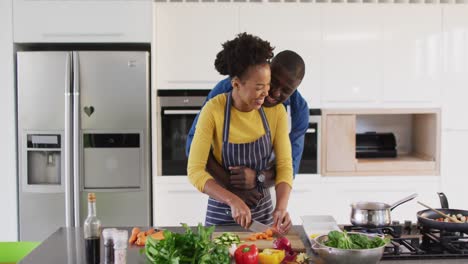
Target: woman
240, 132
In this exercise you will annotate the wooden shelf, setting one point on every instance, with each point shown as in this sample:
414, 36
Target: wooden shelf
417, 132
408, 163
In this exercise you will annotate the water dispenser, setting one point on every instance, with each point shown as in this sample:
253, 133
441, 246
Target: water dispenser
44, 161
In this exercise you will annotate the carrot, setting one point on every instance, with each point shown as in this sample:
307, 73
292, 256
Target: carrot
158, 235
252, 237
267, 235
139, 237
141, 241
133, 237
150, 231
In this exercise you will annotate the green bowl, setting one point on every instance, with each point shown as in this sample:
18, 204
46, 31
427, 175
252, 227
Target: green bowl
13, 252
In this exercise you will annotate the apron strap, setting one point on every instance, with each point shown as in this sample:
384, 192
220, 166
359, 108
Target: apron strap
227, 119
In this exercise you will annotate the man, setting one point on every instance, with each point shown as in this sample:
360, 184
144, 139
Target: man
287, 72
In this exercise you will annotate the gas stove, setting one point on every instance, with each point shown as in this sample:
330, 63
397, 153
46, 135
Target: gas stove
411, 241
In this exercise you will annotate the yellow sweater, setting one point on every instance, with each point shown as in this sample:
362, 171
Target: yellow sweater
245, 127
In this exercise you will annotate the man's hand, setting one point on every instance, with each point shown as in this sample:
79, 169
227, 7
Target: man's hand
243, 178
250, 197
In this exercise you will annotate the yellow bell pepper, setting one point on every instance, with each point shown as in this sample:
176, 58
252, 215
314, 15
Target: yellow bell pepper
271, 256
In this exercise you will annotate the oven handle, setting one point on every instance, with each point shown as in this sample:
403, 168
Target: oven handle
181, 112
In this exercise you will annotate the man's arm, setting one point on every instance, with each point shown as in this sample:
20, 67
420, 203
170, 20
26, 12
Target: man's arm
217, 171
223, 178
299, 126
222, 87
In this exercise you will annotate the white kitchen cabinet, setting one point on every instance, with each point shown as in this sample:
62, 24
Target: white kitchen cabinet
177, 201
412, 53
187, 38
351, 53
455, 176
82, 21
454, 92
290, 27
8, 162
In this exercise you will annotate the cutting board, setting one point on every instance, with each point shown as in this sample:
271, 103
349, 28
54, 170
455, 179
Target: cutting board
293, 236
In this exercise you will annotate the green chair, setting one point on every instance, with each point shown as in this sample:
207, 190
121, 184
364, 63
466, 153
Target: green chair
13, 252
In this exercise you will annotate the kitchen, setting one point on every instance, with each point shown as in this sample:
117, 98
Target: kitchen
357, 55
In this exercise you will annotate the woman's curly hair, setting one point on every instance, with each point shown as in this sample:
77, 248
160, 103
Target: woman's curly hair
242, 52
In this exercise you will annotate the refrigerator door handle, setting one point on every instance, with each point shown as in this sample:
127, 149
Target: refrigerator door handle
69, 211
76, 138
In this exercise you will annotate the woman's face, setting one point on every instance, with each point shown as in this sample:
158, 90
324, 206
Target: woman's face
253, 87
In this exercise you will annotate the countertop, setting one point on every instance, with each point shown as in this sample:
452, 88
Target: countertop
66, 246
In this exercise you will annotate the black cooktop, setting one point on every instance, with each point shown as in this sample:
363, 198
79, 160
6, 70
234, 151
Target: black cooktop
411, 241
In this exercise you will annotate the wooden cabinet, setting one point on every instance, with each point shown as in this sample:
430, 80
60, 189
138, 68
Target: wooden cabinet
417, 132
340, 146
351, 53
412, 58
455, 23
187, 38
177, 201
290, 27
82, 21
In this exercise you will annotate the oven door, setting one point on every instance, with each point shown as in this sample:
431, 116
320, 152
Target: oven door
175, 125
310, 156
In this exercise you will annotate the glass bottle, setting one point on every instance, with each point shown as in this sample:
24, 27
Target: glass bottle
120, 246
92, 232
108, 237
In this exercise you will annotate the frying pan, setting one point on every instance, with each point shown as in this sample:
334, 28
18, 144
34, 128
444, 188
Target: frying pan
426, 218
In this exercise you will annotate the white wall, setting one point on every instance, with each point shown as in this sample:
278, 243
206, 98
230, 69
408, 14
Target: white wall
8, 201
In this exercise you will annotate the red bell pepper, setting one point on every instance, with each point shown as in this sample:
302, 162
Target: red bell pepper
246, 254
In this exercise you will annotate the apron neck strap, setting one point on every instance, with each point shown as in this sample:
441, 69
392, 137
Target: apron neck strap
227, 118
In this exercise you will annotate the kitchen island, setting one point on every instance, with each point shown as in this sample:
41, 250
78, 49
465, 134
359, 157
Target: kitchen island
67, 246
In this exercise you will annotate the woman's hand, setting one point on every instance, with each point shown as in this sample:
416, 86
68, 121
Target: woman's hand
240, 212
281, 221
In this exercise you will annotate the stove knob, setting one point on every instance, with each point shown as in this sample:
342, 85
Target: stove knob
396, 222
408, 223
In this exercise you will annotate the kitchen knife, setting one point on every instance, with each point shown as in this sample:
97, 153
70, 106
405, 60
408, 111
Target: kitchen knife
258, 227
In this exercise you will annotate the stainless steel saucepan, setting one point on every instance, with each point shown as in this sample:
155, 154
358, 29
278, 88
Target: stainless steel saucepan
373, 214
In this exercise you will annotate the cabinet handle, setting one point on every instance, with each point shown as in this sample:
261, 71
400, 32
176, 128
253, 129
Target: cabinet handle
191, 81
81, 35
182, 191
181, 112
302, 190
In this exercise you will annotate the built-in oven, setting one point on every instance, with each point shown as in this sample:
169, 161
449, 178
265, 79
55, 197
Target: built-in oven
177, 109
310, 162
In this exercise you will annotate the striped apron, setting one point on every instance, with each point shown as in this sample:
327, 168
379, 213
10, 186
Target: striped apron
254, 155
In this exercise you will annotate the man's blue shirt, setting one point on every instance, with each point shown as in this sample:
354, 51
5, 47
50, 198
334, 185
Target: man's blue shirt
299, 120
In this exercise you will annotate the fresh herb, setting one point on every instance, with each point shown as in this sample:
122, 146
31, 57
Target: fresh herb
344, 240
187, 248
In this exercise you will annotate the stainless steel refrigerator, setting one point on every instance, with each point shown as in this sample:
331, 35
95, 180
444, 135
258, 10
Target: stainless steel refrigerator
83, 126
